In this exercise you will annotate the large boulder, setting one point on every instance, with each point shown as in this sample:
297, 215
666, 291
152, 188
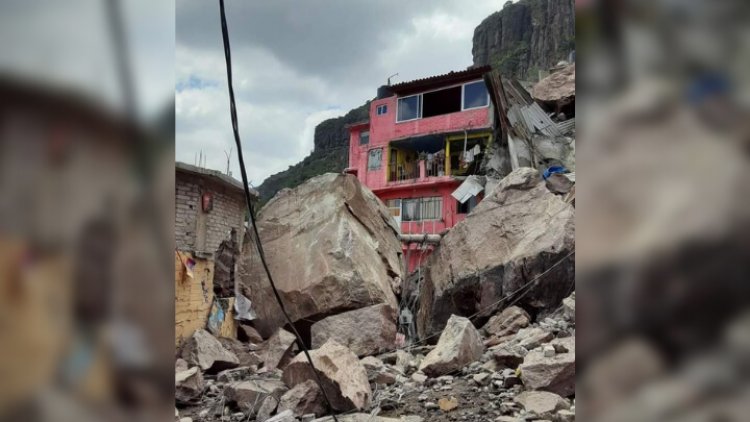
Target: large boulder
331, 246
343, 376
460, 344
366, 331
204, 350
519, 233
555, 373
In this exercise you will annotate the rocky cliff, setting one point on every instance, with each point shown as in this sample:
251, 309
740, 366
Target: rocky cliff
526, 36
331, 154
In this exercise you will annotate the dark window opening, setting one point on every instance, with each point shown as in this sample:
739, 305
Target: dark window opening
364, 137
467, 206
441, 102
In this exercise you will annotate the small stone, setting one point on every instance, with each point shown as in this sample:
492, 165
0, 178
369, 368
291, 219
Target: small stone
448, 404
548, 351
419, 378
481, 379
431, 405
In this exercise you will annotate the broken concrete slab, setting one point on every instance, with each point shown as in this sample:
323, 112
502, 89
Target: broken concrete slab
343, 245
459, 345
507, 322
518, 234
344, 378
204, 350
305, 398
377, 321
277, 351
188, 385
249, 395
551, 373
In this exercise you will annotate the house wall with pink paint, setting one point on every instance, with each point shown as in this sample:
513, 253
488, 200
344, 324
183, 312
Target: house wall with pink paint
387, 155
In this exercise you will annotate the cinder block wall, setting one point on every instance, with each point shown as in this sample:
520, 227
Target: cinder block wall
203, 232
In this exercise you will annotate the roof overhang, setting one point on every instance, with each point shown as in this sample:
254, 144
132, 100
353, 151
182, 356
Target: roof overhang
420, 85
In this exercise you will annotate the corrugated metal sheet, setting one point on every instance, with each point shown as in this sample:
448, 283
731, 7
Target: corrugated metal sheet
470, 187
567, 126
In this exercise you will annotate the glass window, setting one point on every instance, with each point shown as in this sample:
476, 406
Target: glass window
408, 108
364, 137
382, 109
418, 209
373, 158
475, 95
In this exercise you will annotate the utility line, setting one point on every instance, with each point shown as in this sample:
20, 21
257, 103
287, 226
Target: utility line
235, 129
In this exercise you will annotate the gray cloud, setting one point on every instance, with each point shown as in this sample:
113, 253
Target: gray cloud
297, 63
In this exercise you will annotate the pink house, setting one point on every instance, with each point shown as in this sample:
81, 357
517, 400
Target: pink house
423, 138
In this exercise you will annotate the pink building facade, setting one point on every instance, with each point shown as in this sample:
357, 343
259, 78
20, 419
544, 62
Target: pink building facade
423, 138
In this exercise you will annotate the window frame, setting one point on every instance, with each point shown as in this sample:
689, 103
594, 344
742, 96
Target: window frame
368, 137
420, 202
380, 163
383, 107
419, 107
463, 95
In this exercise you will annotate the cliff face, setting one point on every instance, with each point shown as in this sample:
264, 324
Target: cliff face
331, 154
526, 37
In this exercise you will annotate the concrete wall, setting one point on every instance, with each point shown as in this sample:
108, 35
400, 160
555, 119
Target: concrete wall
384, 129
202, 232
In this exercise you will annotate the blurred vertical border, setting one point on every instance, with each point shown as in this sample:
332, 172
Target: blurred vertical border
86, 210
662, 210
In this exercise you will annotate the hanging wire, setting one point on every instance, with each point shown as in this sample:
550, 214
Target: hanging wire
258, 243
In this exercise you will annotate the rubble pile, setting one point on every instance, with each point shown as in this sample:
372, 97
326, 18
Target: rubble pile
517, 233
529, 374
491, 361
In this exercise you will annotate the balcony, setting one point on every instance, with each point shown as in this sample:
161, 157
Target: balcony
432, 157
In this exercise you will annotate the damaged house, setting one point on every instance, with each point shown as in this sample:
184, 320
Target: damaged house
423, 139
210, 215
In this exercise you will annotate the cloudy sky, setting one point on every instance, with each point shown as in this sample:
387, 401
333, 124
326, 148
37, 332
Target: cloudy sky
297, 63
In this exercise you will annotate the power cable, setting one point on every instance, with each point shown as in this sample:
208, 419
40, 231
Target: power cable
259, 245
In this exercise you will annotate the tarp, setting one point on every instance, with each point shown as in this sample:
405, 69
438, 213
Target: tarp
472, 186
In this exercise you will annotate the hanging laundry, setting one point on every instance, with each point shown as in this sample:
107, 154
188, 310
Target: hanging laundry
476, 150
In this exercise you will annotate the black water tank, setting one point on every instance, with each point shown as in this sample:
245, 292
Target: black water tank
384, 92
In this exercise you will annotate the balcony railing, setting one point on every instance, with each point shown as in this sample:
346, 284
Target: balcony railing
404, 173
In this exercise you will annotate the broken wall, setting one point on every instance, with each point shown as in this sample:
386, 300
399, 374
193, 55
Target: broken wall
193, 296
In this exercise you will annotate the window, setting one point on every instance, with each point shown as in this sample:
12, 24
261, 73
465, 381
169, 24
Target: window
364, 137
443, 101
382, 109
373, 159
419, 209
467, 206
409, 108
394, 207
475, 95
